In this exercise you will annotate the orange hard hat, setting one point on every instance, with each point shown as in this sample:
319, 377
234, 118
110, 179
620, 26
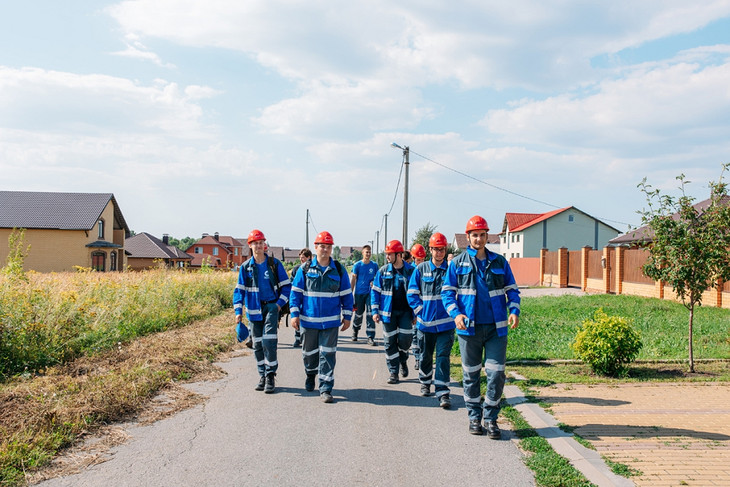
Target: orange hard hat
476, 223
394, 246
418, 251
324, 238
438, 240
255, 235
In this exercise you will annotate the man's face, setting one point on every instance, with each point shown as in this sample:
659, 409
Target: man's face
392, 257
323, 251
438, 254
366, 253
258, 246
478, 239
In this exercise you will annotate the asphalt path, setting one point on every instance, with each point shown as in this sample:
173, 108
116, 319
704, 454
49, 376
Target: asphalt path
374, 434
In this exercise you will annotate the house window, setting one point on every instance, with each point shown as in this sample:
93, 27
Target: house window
198, 250
513, 238
517, 255
235, 251
570, 218
511, 255
98, 261
518, 237
113, 261
100, 226
215, 250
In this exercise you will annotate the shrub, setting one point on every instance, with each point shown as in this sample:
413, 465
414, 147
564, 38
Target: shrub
607, 344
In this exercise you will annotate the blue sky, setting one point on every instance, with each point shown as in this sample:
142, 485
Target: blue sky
231, 115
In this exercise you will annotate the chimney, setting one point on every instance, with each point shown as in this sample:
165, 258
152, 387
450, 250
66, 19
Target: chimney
166, 238
216, 236
205, 235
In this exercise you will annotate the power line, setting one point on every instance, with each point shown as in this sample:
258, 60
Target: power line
396, 187
498, 187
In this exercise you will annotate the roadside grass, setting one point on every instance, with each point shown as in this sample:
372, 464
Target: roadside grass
548, 325
40, 415
51, 319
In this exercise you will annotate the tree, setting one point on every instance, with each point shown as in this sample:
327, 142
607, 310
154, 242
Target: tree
182, 244
423, 234
689, 248
336, 252
355, 256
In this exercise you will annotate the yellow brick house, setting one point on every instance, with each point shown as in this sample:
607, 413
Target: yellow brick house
65, 230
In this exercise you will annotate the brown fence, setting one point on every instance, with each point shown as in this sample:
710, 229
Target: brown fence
614, 270
634, 260
526, 270
595, 269
551, 263
575, 268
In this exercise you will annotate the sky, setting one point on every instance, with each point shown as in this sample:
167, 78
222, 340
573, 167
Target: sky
229, 115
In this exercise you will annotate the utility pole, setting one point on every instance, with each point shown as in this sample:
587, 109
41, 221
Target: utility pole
385, 240
377, 246
406, 152
306, 244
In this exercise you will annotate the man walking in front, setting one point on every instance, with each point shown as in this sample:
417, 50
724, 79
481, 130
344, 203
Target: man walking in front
363, 274
480, 293
321, 294
263, 288
390, 305
435, 326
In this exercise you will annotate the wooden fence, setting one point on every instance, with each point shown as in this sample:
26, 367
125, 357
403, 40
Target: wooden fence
614, 270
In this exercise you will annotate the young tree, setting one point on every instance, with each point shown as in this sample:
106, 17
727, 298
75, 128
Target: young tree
689, 245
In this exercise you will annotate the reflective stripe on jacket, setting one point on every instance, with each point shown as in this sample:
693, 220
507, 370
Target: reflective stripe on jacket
247, 290
424, 296
459, 292
381, 294
321, 298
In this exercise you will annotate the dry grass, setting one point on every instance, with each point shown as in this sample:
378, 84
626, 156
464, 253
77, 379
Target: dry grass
42, 415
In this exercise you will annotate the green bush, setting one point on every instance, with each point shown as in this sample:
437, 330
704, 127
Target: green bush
607, 344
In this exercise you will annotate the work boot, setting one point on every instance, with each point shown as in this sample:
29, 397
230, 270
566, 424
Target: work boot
354, 335
309, 383
270, 383
371, 342
297, 343
262, 383
393, 379
492, 430
475, 427
326, 397
404, 370
445, 402
425, 390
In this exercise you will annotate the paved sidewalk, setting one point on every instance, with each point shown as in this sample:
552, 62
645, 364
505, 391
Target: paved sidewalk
674, 433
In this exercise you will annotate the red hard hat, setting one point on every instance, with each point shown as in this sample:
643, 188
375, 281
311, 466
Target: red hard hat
324, 238
394, 246
255, 235
418, 251
476, 223
438, 240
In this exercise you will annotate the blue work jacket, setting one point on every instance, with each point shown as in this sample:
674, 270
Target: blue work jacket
424, 296
321, 298
247, 290
381, 294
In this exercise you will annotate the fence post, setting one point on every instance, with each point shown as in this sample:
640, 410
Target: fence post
584, 267
606, 265
543, 258
619, 269
563, 267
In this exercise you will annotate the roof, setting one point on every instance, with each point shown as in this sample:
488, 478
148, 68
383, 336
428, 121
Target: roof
56, 211
517, 222
646, 235
146, 246
210, 240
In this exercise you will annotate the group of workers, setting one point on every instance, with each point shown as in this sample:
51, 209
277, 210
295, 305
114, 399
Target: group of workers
419, 305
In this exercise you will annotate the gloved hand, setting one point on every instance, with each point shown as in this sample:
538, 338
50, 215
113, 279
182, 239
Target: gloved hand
241, 332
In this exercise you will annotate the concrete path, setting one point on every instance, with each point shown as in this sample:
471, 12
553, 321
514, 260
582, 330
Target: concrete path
374, 434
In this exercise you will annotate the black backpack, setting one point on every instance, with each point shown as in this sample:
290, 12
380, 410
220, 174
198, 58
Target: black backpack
275, 280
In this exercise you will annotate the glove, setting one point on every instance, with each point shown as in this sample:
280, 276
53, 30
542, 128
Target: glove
241, 332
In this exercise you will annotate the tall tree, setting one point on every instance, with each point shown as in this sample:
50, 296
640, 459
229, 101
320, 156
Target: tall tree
689, 243
423, 234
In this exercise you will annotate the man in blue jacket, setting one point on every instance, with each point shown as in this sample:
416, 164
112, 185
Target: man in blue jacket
435, 326
389, 301
263, 287
363, 273
480, 293
321, 300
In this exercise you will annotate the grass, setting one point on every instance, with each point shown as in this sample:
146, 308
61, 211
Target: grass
549, 324
41, 415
